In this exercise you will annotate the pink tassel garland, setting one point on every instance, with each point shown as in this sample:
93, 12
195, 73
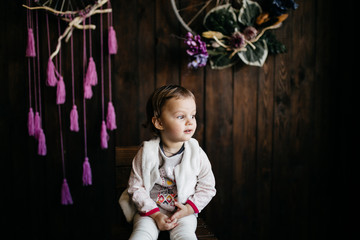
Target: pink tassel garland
91, 74
112, 41
31, 126
87, 178
42, 150
51, 79
37, 125
88, 93
30, 49
74, 119
111, 117
60, 92
66, 198
104, 137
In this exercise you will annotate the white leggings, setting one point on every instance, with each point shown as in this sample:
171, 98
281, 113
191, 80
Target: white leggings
145, 229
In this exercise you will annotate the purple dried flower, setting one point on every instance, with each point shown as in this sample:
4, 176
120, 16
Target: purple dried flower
195, 45
250, 33
199, 60
237, 40
197, 50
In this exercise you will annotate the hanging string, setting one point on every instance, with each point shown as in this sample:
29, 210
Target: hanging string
87, 86
74, 116
30, 48
42, 149
91, 74
66, 198
104, 137
37, 119
31, 41
112, 44
51, 78
102, 65
87, 176
30, 123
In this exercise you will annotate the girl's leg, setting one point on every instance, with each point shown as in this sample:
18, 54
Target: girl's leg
144, 229
186, 229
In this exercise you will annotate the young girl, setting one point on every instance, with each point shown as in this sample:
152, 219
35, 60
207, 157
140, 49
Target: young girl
171, 178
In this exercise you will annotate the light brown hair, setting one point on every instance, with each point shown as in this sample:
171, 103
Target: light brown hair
158, 99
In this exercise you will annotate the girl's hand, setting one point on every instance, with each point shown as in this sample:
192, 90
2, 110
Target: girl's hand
182, 211
163, 222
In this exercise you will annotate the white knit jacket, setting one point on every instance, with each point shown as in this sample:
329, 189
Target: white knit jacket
194, 178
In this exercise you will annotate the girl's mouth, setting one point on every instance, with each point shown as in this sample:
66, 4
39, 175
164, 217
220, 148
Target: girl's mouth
188, 131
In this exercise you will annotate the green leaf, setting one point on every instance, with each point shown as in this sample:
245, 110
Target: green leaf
221, 19
220, 58
274, 46
249, 12
257, 56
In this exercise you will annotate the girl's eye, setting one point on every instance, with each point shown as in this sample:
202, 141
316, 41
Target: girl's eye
193, 116
180, 117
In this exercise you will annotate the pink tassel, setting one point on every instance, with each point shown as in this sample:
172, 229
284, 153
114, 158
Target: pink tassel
112, 42
30, 49
31, 126
60, 92
87, 178
51, 78
104, 137
111, 117
88, 93
74, 119
91, 74
42, 150
66, 198
37, 125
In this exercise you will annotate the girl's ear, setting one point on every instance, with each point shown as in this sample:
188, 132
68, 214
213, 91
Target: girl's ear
157, 123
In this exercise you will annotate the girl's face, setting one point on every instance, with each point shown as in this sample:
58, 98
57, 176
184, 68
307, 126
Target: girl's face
177, 122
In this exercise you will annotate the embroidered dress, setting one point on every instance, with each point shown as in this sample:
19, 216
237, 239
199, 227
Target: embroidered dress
164, 192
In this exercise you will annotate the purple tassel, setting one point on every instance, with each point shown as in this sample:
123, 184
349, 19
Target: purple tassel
30, 49
87, 179
37, 125
51, 78
112, 42
88, 93
42, 150
74, 119
111, 117
31, 126
66, 198
104, 137
91, 74
60, 91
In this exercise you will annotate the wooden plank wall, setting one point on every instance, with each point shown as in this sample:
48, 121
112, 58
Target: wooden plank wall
270, 132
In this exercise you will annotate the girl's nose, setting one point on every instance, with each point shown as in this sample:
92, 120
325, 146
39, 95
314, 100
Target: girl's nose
190, 121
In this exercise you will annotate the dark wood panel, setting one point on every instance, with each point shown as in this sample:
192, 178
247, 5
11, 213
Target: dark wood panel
271, 133
244, 140
146, 59
219, 145
264, 147
167, 47
125, 75
293, 124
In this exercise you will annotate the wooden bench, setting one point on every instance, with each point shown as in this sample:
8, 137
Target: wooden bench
122, 229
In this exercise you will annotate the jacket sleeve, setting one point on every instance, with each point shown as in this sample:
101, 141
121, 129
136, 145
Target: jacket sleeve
137, 192
205, 187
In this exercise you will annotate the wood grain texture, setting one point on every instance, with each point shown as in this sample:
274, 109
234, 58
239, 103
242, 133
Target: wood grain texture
277, 136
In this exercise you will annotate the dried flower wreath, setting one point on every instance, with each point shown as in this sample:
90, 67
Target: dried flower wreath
233, 34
